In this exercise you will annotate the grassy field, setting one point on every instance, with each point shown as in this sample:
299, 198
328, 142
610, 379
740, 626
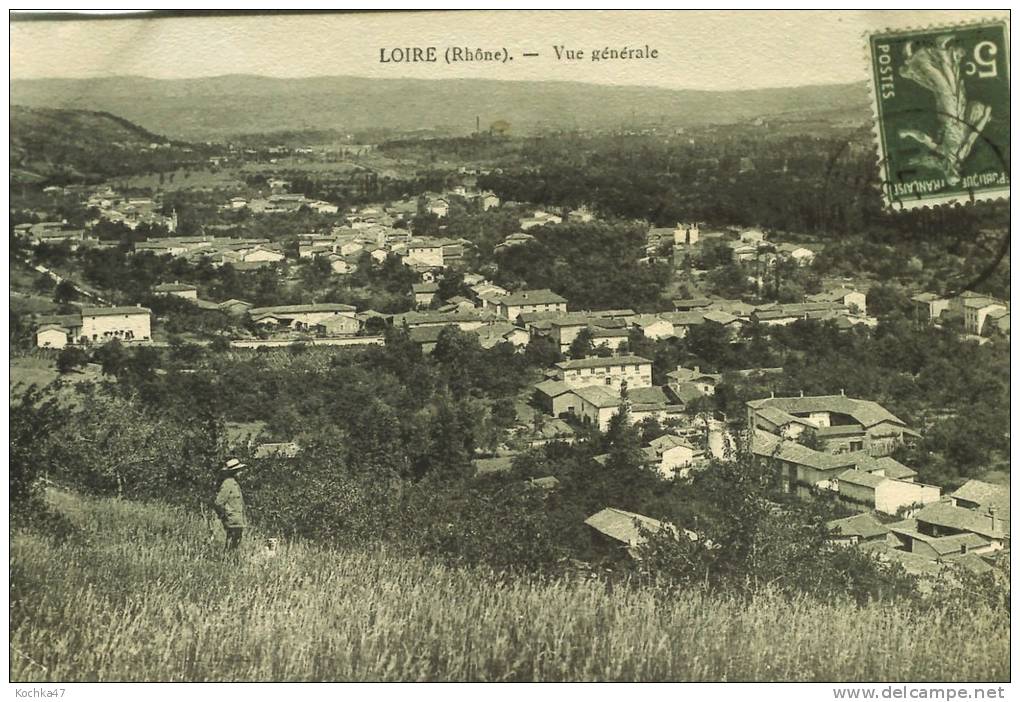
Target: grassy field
139, 592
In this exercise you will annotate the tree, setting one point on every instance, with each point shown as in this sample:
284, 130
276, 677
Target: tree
583, 344
65, 292
69, 358
35, 450
112, 356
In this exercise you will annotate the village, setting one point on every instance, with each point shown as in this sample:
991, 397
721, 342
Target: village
828, 446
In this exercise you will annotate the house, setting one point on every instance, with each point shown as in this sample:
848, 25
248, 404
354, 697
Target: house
425, 252
803, 469
563, 328
424, 293
842, 423
516, 239
512, 305
725, 320
977, 309
704, 382
613, 371
285, 449
465, 320
595, 405
691, 304
752, 236
617, 529
439, 206
52, 336
945, 519
653, 326
427, 337
798, 254
946, 548
853, 300
555, 397
99, 324
547, 483
858, 529
262, 254
341, 265
539, 219
490, 335
683, 321
496, 464
686, 234
581, 214
612, 339
551, 430
620, 529
875, 492
340, 325
674, 455
488, 200
299, 316
182, 290
928, 307
996, 322
984, 498
235, 307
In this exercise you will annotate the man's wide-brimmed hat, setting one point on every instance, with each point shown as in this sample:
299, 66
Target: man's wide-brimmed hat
232, 465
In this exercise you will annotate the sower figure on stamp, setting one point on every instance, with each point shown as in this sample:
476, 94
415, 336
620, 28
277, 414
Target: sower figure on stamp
229, 503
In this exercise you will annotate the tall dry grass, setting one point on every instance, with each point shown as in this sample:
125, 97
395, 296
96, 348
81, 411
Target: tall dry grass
139, 593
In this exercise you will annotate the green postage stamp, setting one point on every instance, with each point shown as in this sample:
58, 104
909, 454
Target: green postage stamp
941, 100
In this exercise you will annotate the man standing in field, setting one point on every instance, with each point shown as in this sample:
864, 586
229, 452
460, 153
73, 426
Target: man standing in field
229, 503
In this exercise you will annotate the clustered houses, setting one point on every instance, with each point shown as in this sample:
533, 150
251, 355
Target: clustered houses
327, 318
852, 462
512, 305
94, 325
176, 289
239, 252
130, 211
965, 528
980, 315
840, 423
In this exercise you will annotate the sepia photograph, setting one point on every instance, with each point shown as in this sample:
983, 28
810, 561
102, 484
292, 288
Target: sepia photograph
510, 346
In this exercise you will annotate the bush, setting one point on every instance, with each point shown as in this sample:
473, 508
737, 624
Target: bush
71, 357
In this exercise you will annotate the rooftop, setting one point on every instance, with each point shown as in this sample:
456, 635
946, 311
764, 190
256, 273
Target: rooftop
301, 309
859, 477
113, 311
862, 525
866, 412
174, 287
532, 297
622, 526
598, 362
985, 495
552, 388
950, 516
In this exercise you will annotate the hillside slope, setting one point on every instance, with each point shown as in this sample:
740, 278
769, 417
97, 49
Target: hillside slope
140, 592
208, 108
74, 145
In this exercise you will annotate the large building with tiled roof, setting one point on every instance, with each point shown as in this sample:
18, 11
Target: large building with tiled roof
842, 423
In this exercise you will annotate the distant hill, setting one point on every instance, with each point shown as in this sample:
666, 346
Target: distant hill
210, 108
65, 146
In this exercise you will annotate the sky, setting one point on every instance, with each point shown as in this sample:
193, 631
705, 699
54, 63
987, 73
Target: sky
703, 50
